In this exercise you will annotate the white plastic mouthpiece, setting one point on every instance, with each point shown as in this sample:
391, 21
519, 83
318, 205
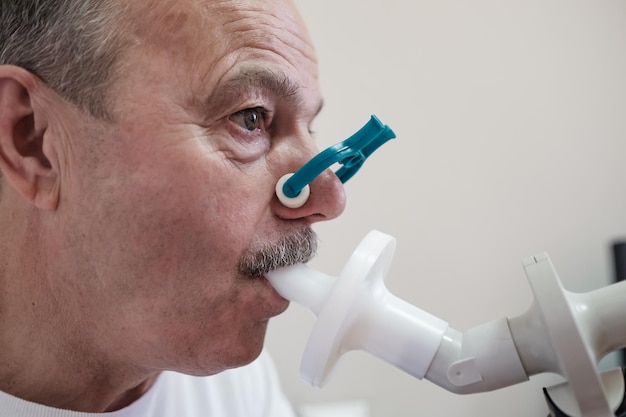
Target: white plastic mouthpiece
304, 285
291, 202
356, 311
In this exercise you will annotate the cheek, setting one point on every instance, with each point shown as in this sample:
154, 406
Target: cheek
182, 218
164, 240
173, 211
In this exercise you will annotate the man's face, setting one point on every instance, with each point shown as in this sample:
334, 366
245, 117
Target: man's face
212, 105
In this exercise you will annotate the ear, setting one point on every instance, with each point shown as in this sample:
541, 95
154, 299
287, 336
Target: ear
26, 157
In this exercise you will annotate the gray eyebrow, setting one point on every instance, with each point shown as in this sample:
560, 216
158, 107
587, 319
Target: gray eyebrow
275, 83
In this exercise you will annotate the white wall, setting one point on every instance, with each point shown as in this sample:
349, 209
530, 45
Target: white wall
511, 124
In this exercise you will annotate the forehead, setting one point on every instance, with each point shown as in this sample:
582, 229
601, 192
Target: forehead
209, 33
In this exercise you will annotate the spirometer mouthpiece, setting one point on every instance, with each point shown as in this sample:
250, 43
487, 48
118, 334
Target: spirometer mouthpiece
562, 332
356, 311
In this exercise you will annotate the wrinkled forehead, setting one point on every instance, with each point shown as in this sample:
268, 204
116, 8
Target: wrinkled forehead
211, 30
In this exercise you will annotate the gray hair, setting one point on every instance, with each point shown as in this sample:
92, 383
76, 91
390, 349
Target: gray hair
298, 247
72, 45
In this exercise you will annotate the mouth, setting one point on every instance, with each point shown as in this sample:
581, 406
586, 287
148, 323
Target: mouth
276, 298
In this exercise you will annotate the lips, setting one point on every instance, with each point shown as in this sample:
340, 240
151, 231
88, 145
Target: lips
275, 298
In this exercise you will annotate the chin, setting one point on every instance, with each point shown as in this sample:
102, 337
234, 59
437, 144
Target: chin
240, 351
250, 346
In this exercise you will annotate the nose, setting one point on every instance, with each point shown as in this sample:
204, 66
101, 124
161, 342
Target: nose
326, 200
293, 190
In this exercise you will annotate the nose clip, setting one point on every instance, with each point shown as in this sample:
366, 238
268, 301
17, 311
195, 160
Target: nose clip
293, 189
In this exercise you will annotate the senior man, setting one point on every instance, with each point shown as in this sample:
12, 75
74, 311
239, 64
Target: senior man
140, 142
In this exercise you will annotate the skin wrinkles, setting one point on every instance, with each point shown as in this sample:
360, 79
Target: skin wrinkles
255, 35
260, 26
251, 79
229, 34
277, 22
273, 91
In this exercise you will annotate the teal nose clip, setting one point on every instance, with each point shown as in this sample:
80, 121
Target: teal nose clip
293, 189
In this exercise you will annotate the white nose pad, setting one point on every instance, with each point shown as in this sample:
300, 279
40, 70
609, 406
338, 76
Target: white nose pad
291, 202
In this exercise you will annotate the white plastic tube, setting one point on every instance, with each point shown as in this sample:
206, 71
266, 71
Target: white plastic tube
483, 358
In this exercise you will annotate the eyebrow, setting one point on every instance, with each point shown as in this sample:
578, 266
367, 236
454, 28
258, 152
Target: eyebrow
249, 79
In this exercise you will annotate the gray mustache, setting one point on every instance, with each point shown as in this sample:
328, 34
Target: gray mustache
298, 247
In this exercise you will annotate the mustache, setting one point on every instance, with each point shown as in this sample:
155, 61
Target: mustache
298, 247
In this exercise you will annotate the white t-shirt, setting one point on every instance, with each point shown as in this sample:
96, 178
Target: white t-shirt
249, 391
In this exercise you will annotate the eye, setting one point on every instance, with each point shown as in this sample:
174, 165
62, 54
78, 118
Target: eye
249, 119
